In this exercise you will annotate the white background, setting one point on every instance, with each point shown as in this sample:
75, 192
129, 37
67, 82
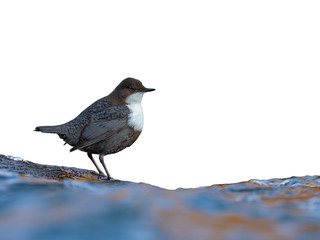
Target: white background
237, 82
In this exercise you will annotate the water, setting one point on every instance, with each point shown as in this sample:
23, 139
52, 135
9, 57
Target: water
40, 208
49, 209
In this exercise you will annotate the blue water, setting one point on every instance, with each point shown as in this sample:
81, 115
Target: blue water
38, 209
35, 208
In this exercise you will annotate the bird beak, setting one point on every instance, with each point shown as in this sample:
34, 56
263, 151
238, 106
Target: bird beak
149, 89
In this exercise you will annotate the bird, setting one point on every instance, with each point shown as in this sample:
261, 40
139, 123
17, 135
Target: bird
108, 125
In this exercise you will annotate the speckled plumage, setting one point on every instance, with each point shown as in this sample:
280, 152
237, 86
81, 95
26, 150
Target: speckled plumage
107, 126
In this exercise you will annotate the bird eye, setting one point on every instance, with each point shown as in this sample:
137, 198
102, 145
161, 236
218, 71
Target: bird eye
131, 89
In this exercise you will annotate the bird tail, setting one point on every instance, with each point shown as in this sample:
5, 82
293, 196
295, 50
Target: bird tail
48, 129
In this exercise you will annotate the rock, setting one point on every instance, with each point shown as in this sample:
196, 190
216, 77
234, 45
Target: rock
51, 202
27, 168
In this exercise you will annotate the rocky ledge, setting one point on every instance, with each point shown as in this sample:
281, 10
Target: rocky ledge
52, 202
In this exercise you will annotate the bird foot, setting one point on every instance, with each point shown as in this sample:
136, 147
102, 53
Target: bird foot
106, 178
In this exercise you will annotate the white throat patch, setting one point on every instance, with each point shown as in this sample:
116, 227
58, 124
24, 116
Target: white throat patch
136, 114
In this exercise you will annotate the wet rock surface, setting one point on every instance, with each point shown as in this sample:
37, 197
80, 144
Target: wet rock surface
51, 202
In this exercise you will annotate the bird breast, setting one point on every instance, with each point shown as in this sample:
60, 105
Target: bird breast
135, 118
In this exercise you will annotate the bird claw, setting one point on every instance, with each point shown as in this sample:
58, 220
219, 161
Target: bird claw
106, 178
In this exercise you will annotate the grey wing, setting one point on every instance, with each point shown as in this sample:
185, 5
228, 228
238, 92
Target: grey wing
102, 126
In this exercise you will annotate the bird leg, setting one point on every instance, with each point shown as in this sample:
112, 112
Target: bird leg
104, 166
95, 164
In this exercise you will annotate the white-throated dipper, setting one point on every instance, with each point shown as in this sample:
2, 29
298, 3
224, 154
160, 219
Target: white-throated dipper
107, 126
